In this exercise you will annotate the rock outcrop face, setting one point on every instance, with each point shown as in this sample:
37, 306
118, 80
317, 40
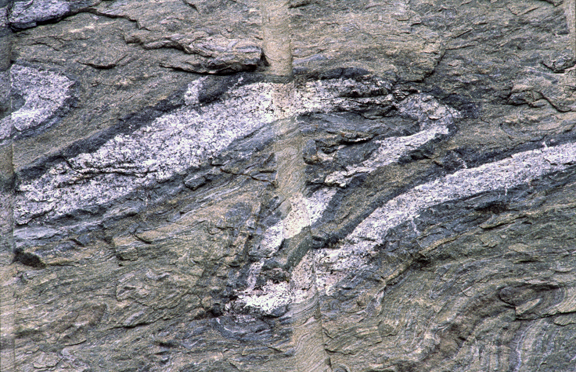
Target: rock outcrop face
303, 185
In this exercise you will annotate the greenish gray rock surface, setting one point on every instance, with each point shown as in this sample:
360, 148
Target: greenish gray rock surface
303, 185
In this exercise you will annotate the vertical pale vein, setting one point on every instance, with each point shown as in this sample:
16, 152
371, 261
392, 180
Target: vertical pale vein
6, 207
277, 42
310, 355
570, 9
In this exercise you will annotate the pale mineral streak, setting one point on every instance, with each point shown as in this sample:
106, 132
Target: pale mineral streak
332, 265
520, 168
171, 144
434, 119
43, 92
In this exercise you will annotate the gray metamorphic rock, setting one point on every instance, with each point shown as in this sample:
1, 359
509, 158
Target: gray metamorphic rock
288, 185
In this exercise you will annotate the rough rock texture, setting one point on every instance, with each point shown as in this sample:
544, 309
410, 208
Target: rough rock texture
175, 197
